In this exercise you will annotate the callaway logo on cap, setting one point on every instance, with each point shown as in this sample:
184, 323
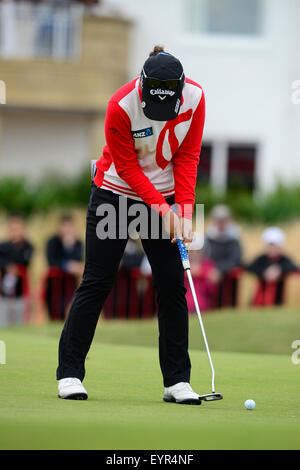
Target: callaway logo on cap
162, 82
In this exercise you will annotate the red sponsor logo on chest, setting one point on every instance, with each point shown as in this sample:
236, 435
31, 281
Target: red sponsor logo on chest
161, 161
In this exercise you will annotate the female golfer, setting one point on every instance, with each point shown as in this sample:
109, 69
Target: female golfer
153, 131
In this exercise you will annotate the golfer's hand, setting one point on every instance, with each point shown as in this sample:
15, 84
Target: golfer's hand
187, 230
172, 225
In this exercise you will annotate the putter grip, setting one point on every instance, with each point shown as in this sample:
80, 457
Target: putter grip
183, 254
182, 249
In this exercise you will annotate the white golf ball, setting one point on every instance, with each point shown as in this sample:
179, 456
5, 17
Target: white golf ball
250, 404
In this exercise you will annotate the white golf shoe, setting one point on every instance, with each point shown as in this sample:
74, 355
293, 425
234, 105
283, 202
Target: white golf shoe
181, 393
71, 388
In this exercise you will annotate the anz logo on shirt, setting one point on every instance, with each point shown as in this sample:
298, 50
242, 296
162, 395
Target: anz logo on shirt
142, 133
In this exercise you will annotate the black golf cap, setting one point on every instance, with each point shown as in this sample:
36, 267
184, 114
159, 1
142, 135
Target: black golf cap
162, 81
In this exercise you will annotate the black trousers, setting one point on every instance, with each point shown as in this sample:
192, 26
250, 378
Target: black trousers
103, 257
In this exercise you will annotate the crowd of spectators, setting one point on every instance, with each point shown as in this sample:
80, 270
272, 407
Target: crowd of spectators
216, 269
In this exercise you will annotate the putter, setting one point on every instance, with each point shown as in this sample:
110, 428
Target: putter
187, 267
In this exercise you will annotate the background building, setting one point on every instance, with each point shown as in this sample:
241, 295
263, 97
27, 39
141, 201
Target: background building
60, 63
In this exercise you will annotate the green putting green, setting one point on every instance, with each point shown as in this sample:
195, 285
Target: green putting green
125, 408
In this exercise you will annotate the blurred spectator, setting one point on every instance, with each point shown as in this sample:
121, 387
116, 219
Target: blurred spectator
271, 268
64, 255
15, 255
222, 246
222, 243
205, 278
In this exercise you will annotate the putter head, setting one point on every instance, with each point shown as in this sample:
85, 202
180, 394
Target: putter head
211, 397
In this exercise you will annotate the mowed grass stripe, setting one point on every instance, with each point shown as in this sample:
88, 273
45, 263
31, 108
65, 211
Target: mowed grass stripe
259, 331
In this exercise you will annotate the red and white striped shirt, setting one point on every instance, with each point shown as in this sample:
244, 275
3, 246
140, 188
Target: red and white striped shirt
152, 160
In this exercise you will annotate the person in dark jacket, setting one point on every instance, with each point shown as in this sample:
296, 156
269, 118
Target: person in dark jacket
64, 250
65, 260
15, 256
222, 246
271, 268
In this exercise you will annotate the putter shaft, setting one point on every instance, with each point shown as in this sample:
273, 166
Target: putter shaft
189, 275
187, 267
